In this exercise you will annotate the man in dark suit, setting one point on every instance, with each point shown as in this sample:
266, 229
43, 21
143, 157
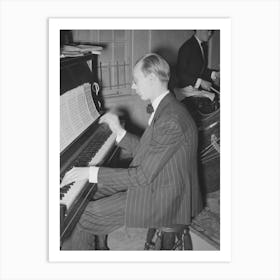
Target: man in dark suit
160, 187
192, 70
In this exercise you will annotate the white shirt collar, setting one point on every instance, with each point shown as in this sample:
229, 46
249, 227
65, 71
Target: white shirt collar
155, 104
200, 44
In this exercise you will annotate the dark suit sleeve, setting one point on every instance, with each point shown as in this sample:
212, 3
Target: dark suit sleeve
190, 65
166, 139
184, 75
207, 75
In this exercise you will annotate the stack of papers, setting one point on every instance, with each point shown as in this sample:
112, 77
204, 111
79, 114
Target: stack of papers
190, 91
79, 50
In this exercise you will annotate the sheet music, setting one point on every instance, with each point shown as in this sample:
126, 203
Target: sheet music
77, 112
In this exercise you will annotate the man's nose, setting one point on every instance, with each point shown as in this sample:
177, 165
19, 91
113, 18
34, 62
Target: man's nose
133, 86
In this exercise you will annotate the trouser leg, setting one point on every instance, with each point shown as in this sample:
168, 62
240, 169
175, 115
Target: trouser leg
79, 240
100, 217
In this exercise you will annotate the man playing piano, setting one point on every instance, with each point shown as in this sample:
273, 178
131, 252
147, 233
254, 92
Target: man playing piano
160, 187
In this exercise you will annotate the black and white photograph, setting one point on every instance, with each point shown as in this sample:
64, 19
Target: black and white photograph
139, 122
166, 181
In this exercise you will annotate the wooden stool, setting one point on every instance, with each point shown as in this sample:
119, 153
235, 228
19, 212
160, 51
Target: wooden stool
169, 238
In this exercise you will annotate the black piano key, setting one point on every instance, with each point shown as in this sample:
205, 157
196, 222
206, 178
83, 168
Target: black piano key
65, 188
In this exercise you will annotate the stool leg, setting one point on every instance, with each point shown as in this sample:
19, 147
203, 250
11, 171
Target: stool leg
150, 234
187, 241
158, 239
168, 240
149, 239
179, 244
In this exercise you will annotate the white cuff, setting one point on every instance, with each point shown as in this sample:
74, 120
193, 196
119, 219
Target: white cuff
93, 173
198, 82
120, 136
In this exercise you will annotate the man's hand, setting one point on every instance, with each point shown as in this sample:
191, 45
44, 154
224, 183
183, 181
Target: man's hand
205, 85
75, 174
114, 123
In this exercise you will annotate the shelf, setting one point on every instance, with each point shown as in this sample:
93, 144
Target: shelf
69, 61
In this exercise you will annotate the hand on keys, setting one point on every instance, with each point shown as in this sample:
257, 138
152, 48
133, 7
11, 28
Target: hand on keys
75, 174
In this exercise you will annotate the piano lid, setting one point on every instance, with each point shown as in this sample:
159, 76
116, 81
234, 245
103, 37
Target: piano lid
75, 71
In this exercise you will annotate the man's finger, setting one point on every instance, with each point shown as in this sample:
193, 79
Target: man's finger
68, 178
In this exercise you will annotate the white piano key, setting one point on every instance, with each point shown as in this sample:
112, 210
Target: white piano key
72, 193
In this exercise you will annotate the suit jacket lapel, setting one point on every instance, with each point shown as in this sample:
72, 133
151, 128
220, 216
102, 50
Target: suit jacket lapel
199, 49
148, 131
164, 102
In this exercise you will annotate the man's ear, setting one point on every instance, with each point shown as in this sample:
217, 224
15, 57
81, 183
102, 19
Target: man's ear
152, 77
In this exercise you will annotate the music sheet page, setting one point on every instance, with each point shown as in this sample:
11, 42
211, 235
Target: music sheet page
77, 112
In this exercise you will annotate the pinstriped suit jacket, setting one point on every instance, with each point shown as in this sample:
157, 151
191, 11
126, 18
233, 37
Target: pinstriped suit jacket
162, 181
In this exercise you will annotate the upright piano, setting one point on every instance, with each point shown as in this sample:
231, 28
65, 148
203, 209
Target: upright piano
83, 141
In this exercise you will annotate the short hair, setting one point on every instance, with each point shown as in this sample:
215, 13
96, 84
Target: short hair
154, 63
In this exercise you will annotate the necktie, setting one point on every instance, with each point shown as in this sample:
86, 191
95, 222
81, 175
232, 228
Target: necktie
150, 109
203, 47
204, 55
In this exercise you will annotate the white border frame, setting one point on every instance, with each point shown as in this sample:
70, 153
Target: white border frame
224, 25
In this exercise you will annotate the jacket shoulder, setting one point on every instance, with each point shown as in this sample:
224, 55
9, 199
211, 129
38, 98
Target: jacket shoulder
188, 44
176, 111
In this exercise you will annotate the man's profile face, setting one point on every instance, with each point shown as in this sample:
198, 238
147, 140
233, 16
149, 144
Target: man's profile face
141, 84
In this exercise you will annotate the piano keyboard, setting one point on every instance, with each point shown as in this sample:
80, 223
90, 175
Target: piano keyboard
69, 192
102, 152
94, 154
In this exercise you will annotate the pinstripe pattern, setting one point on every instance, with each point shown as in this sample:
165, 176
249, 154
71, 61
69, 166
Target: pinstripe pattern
99, 218
161, 181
